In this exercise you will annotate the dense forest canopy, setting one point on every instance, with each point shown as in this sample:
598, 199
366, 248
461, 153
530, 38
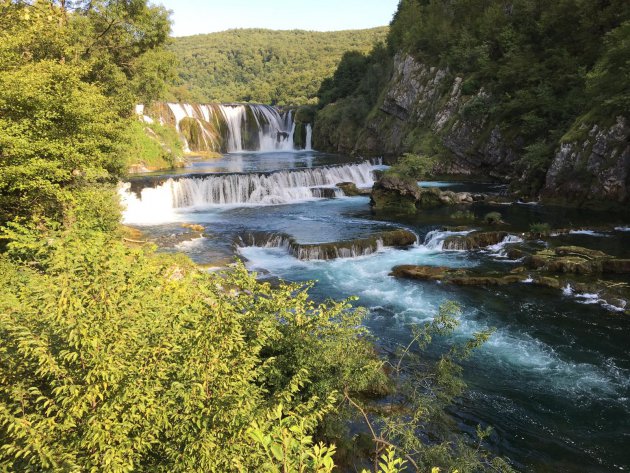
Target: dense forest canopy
264, 66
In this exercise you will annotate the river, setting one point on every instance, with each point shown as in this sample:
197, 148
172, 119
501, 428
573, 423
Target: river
553, 380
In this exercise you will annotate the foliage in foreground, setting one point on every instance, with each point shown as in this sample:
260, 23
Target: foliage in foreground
117, 360
70, 73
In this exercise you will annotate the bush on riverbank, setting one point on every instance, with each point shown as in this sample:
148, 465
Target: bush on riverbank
115, 359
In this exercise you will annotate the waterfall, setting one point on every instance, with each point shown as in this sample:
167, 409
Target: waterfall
180, 113
234, 117
158, 204
275, 130
434, 240
331, 250
238, 127
309, 137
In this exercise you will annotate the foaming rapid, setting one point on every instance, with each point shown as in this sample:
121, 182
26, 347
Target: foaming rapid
509, 350
434, 240
162, 203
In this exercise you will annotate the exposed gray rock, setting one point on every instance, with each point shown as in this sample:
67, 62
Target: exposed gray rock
597, 168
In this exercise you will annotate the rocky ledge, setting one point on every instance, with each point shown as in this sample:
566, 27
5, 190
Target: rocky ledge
474, 240
350, 189
332, 250
573, 269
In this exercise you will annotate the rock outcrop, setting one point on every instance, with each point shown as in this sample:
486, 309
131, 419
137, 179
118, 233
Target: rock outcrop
573, 269
474, 240
424, 107
403, 195
594, 168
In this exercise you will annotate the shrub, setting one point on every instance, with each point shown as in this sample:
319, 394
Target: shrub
114, 359
413, 166
493, 218
463, 215
542, 229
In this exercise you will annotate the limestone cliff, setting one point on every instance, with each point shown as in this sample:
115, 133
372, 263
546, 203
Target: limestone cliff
428, 110
421, 102
594, 168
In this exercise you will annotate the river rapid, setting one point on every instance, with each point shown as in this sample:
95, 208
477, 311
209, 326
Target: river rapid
553, 380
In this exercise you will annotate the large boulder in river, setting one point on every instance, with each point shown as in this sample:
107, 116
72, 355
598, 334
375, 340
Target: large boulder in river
395, 193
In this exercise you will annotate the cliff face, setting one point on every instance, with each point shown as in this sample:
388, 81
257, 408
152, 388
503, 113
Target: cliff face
596, 168
421, 102
424, 108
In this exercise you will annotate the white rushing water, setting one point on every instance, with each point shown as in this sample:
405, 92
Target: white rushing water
275, 128
161, 203
309, 137
509, 349
434, 240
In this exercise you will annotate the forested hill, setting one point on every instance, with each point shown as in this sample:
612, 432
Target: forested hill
266, 66
533, 92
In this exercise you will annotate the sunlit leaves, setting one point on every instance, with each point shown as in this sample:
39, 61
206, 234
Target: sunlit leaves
111, 363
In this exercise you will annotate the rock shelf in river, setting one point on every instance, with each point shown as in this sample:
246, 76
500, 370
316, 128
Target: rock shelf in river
331, 250
574, 269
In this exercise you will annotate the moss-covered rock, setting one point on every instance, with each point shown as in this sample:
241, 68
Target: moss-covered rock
424, 273
618, 266
576, 260
402, 194
458, 277
396, 194
349, 189
474, 240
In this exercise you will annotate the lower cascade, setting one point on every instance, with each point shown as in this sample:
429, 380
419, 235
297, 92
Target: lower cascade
333, 250
156, 204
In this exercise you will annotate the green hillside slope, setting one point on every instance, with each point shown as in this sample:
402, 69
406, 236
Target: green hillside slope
257, 65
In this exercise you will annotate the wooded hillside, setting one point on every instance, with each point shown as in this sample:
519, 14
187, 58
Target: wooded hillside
257, 65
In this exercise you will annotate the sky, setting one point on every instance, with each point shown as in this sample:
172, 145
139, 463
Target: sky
207, 16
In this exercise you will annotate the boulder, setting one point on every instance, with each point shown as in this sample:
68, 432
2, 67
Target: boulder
395, 193
350, 189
